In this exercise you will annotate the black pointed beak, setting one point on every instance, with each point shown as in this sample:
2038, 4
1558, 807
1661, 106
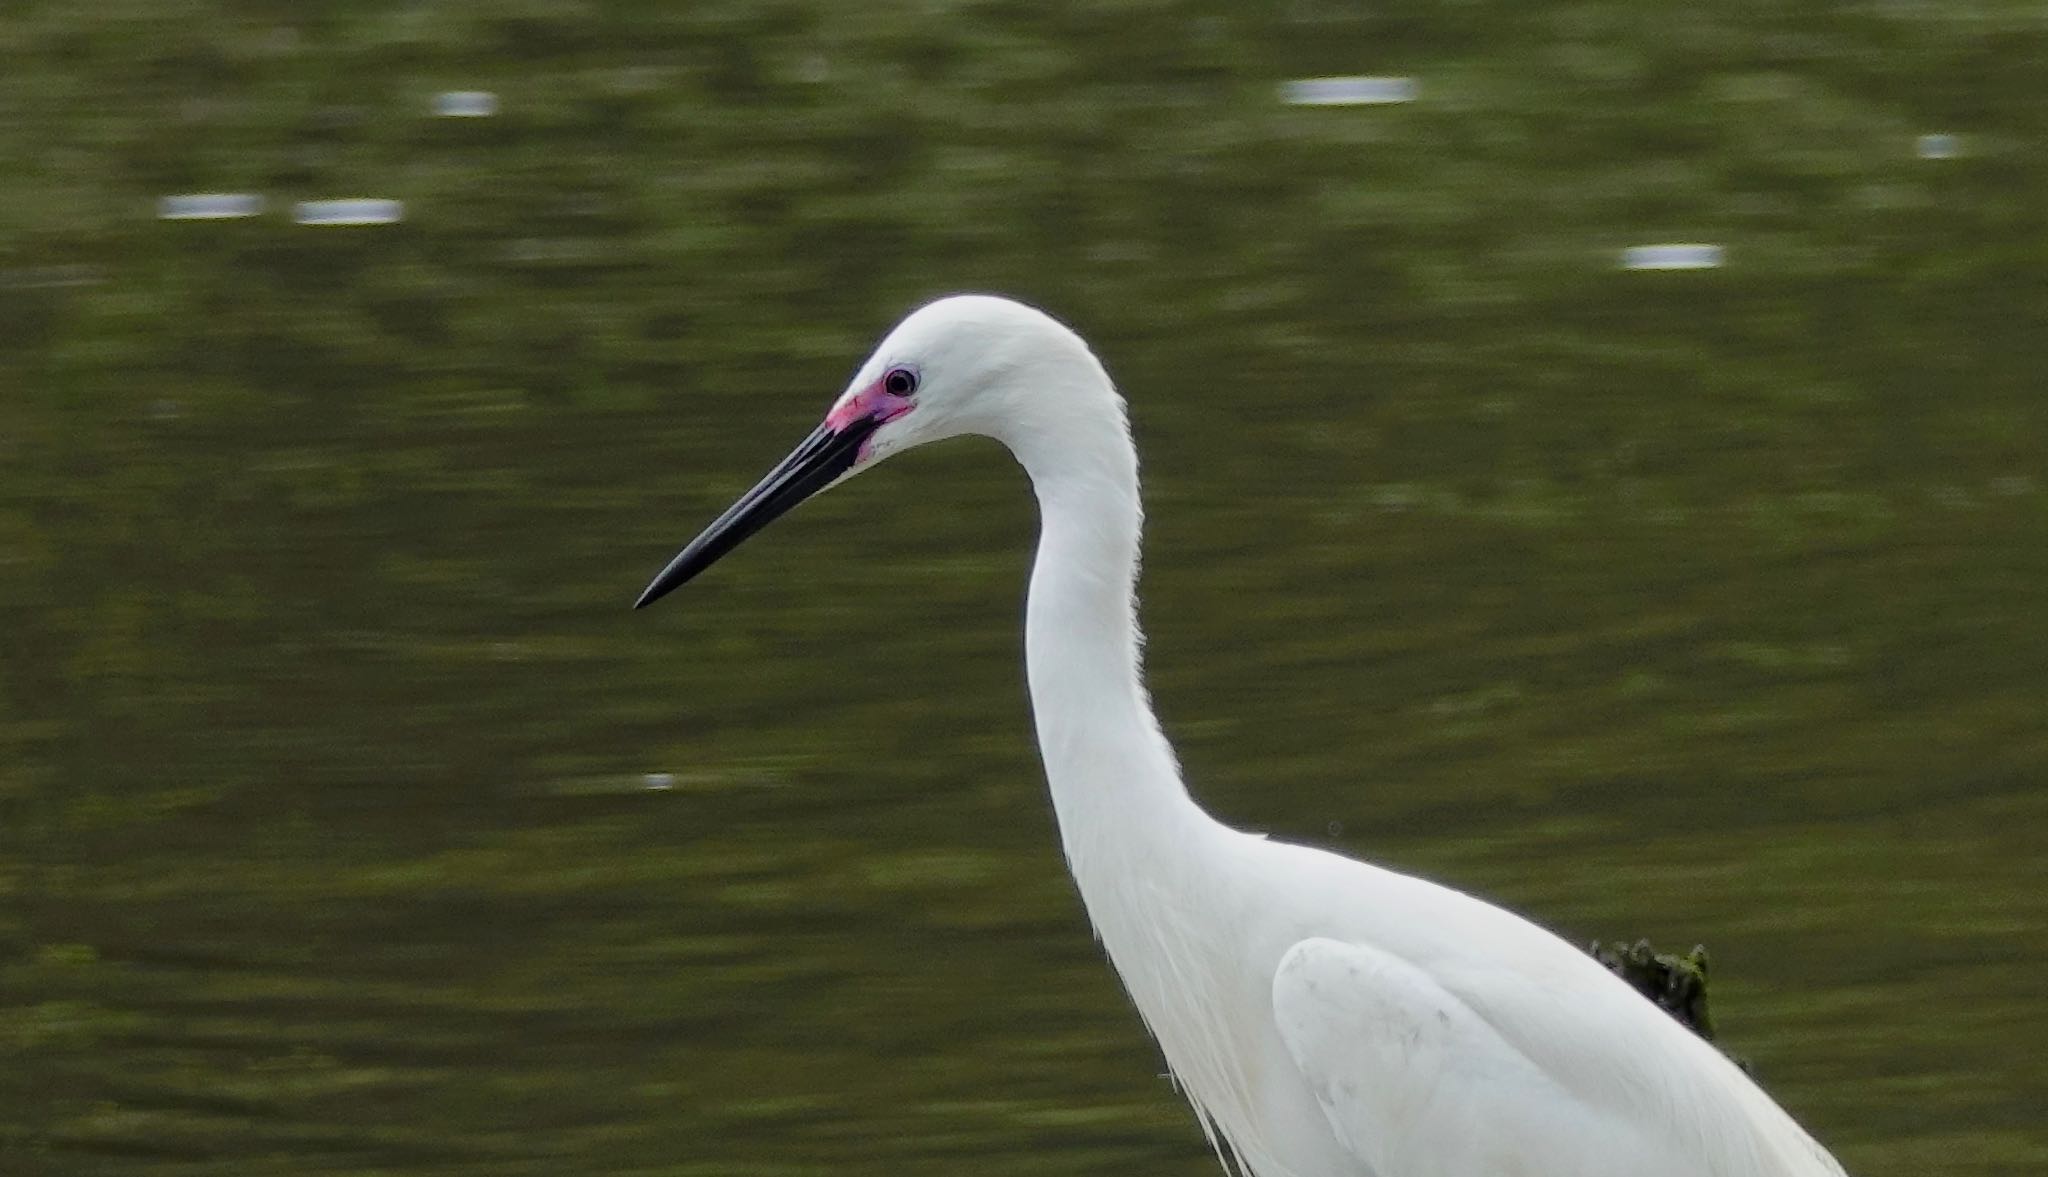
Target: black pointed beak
823, 456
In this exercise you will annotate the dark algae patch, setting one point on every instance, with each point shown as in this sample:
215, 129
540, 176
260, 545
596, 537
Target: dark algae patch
1673, 983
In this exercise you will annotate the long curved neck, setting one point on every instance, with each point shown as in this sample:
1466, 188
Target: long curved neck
1116, 788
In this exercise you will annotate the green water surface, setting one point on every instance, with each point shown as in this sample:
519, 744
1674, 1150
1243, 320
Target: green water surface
1702, 606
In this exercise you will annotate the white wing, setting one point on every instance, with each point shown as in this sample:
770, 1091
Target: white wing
1553, 1070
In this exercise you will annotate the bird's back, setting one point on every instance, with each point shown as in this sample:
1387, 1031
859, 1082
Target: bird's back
1420, 1025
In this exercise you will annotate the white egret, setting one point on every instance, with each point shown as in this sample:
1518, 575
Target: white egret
1325, 1017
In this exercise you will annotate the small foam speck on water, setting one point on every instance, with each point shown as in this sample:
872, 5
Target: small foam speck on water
51, 277
1673, 256
1348, 91
1937, 146
209, 206
362, 211
465, 104
614, 784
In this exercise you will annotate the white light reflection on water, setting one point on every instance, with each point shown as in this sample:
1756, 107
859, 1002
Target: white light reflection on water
1937, 146
209, 206
361, 211
1673, 256
1348, 91
465, 104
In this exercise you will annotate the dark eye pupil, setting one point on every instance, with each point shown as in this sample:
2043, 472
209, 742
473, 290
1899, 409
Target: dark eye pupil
900, 382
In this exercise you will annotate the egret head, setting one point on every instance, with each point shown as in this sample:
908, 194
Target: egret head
968, 364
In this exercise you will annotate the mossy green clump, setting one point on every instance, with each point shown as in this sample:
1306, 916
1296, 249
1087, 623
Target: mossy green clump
1675, 984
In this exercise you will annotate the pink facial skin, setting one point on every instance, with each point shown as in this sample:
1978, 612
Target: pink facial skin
871, 403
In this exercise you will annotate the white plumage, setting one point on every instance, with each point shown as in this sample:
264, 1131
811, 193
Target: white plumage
1327, 1018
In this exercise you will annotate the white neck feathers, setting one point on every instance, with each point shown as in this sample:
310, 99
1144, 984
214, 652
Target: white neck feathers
1115, 785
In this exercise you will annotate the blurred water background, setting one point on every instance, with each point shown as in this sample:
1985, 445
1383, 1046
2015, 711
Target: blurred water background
352, 825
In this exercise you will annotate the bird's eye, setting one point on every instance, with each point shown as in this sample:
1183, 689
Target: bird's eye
899, 382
